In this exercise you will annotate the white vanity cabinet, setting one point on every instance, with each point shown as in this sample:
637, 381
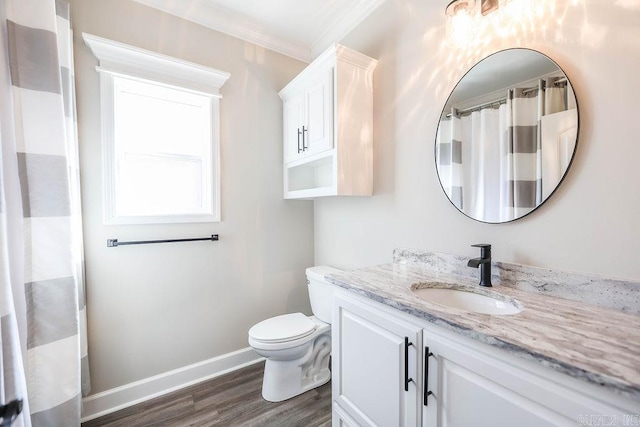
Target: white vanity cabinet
328, 126
470, 383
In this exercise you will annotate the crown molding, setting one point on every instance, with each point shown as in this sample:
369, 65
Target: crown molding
347, 22
205, 13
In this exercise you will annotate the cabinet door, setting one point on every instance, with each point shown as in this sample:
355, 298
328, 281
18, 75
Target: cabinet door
318, 127
473, 388
340, 417
293, 115
464, 397
369, 379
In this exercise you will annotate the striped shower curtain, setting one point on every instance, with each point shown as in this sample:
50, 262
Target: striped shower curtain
449, 158
525, 109
524, 155
482, 148
490, 160
41, 280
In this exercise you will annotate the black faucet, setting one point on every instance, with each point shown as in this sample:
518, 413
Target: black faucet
484, 262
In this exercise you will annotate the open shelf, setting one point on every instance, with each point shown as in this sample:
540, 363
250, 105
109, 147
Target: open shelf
311, 179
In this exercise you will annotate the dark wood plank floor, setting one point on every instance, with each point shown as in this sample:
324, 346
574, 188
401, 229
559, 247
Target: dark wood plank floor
234, 399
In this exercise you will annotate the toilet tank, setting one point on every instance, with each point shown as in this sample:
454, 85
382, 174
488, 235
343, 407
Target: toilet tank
321, 292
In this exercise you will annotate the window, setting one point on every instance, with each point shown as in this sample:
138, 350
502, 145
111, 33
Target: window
160, 131
162, 151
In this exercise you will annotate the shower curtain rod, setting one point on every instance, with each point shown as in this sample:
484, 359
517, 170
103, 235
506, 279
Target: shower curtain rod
495, 102
112, 243
502, 100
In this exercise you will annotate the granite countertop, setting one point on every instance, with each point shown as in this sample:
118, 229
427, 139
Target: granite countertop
598, 345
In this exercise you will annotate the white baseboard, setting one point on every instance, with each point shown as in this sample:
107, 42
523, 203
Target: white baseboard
109, 401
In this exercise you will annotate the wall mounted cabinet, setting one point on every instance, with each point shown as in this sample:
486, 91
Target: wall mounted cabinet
390, 368
328, 127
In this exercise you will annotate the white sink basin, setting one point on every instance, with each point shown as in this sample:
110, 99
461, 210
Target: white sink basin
467, 301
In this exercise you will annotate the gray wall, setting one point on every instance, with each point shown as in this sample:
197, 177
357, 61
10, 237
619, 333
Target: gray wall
590, 225
159, 307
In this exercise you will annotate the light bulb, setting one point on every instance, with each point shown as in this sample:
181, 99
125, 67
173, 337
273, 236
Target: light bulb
462, 28
461, 25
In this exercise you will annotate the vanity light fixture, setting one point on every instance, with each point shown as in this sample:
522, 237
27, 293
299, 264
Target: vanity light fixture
460, 25
488, 6
462, 21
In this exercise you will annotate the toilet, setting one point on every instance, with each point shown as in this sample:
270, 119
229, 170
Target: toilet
297, 347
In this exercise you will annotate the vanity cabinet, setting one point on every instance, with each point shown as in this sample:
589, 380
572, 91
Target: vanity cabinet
328, 127
453, 381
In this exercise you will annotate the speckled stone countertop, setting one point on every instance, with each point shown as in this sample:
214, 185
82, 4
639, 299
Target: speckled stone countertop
598, 345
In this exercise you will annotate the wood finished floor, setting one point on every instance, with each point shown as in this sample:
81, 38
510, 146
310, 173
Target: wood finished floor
234, 399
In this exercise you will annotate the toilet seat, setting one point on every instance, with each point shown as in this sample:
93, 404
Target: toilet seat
318, 327
280, 329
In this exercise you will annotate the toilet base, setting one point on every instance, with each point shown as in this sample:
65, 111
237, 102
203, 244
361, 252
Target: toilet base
286, 379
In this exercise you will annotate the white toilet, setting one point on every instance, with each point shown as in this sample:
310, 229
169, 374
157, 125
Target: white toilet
297, 347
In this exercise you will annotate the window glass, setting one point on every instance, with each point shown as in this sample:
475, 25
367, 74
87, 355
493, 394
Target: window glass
162, 147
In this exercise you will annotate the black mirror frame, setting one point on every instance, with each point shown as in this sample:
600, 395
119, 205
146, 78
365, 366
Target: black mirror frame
573, 154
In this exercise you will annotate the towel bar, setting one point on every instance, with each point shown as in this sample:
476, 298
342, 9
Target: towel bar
112, 243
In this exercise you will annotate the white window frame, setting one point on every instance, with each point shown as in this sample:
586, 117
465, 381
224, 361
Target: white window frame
118, 59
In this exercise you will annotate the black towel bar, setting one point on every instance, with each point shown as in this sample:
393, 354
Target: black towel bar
112, 243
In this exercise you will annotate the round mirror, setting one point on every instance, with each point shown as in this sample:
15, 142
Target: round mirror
507, 136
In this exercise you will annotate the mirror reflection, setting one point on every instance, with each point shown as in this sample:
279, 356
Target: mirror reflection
506, 136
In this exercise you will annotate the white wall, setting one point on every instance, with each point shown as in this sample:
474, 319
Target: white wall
590, 225
155, 308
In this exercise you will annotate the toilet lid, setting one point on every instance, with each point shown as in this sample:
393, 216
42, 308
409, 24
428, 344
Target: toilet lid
282, 328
